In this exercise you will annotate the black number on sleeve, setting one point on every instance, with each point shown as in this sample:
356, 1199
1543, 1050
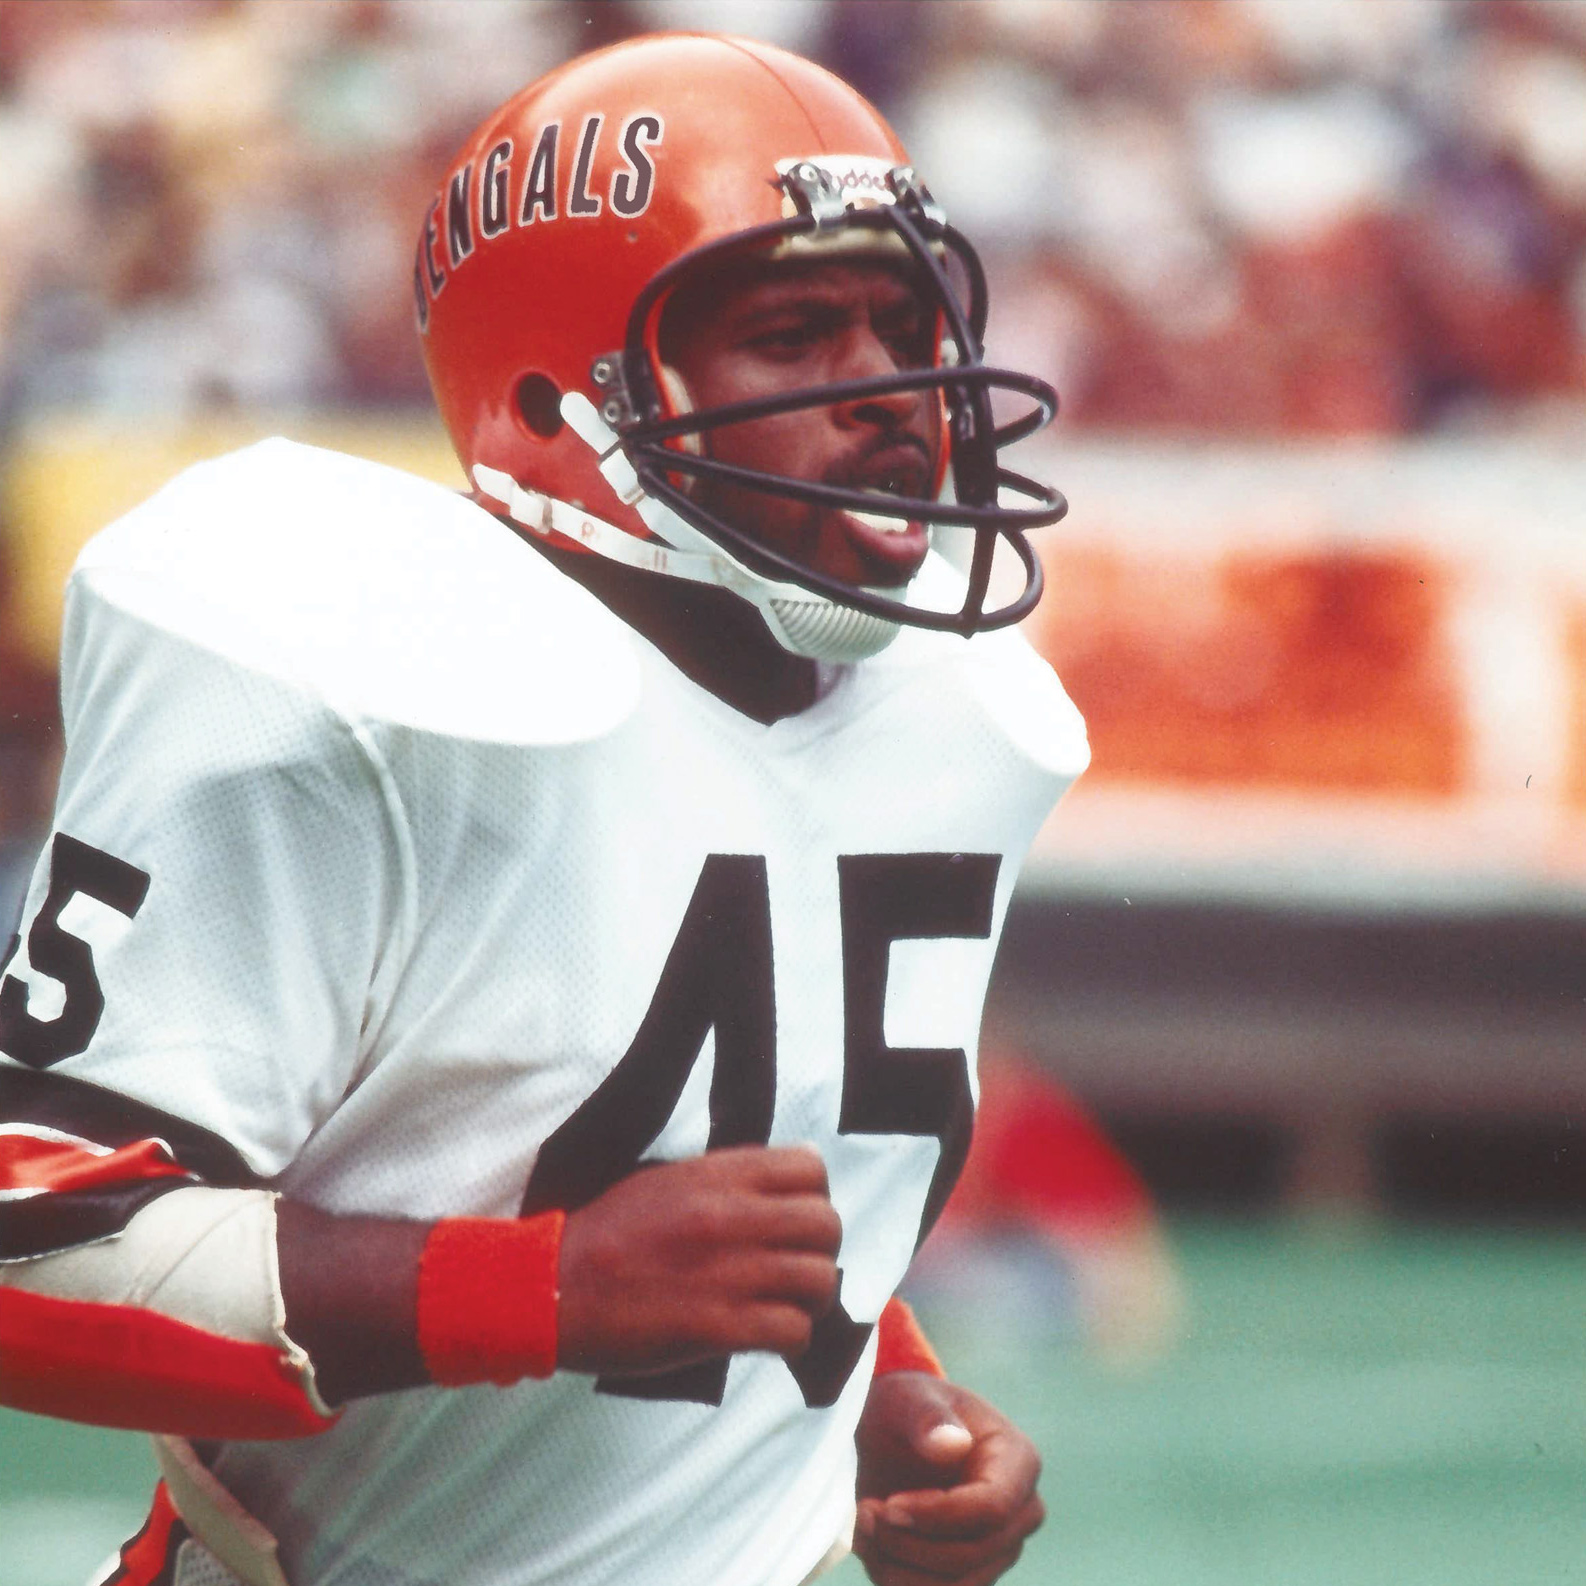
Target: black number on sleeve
717, 976
74, 867
887, 898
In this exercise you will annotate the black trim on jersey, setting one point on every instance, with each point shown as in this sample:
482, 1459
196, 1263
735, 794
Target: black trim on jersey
55, 1101
42, 1224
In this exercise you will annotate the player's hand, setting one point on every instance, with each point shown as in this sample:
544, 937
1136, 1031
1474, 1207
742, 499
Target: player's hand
732, 1251
946, 1485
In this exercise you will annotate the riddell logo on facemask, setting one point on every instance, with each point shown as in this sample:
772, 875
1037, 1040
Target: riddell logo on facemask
861, 179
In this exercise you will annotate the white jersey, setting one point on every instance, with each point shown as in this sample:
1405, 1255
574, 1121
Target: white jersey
462, 899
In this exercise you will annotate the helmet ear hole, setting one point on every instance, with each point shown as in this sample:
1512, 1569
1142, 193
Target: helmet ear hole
539, 400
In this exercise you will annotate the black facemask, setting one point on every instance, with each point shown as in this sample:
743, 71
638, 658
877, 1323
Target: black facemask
632, 406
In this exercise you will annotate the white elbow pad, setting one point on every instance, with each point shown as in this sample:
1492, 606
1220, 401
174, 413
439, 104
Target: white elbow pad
193, 1279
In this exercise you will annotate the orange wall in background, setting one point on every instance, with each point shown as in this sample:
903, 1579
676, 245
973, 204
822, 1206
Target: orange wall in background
1326, 669
1575, 652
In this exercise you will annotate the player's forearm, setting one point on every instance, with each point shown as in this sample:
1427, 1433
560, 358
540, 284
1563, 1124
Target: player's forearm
382, 1303
223, 1313
352, 1292
350, 1286
685, 1263
693, 1261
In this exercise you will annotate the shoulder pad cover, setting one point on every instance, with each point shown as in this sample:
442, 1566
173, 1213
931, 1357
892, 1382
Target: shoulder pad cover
391, 598
1013, 685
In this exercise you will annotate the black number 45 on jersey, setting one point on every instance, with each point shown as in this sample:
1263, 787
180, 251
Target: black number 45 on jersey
718, 976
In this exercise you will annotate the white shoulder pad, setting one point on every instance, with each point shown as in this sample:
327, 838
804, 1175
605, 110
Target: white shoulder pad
1014, 685
391, 598
1022, 693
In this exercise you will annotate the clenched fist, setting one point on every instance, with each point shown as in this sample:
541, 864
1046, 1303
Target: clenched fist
686, 1261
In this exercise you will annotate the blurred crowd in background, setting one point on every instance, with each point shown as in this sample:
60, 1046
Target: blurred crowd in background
1245, 222
1374, 212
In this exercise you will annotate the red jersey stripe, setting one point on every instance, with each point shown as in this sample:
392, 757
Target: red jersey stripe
149, 1558
39, 1161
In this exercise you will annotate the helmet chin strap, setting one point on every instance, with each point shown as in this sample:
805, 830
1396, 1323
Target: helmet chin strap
804, 624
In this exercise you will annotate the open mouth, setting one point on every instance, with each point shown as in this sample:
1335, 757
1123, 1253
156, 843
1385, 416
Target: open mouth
881, 521
889, 545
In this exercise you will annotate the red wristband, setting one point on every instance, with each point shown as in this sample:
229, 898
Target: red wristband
487, 1298
903, 1345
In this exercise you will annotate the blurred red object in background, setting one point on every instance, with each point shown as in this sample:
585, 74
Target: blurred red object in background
1050, 1231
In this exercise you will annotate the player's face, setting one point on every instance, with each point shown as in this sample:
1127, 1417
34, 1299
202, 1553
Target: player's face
792, 326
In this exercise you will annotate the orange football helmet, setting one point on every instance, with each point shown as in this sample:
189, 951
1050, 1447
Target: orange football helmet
544, 265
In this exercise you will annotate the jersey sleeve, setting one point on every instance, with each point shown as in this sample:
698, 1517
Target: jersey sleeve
216, 913
203, 948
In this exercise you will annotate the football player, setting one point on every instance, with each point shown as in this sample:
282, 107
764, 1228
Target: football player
490, 1024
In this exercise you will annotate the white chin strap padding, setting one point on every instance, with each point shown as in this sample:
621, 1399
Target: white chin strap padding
803, 624
822, 630
808, 625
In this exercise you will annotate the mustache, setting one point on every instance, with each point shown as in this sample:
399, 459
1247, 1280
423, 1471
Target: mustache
849, 472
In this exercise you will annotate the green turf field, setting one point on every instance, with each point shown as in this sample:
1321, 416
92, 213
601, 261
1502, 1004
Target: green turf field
1361, 1408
